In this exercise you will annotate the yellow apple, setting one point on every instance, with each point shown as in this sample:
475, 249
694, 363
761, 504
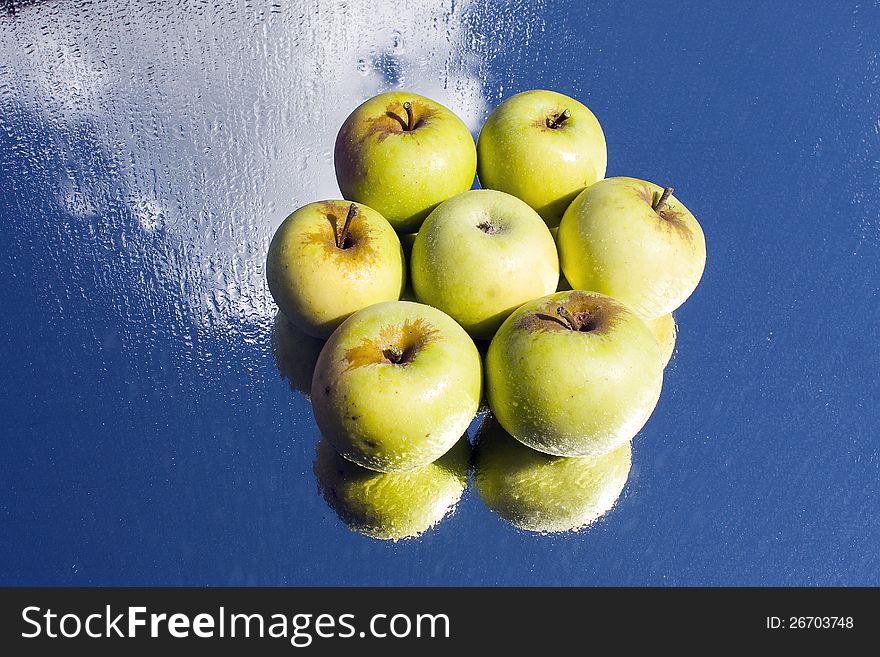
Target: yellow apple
634, 241
479, 256
573, 374
330, 259
404, 154
542, 147
396, 385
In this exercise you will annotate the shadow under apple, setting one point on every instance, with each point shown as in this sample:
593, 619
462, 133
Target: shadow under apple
295, 353
394, 505
406, 243
564, 285
541, 493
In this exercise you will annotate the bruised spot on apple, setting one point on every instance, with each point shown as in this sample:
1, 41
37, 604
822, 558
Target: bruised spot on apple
396, 345
351, 246
400, 118
581, 312
672, 215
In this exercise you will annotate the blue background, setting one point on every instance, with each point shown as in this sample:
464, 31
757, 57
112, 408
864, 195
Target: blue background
144, 445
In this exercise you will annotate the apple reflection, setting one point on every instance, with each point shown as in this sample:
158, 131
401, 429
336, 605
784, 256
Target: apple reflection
665, 331
541, 493
295, 354
394, 505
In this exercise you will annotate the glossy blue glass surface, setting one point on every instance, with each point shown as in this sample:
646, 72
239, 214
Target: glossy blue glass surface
148, 152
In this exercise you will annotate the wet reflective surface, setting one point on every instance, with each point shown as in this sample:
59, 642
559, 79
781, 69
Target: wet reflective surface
148, 153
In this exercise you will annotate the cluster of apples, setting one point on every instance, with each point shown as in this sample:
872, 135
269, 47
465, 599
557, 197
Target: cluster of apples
571, 376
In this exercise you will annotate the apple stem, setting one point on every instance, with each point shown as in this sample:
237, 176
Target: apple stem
410, 119
340, 237
658, 206
557, 121
573, 324
394, 354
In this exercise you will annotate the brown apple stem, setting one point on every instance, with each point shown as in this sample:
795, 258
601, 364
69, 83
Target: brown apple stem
658, 206
394, 354
573, 324
340, 238
410, 120
559, 119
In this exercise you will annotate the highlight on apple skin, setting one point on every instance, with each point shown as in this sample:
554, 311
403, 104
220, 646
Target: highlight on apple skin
544, 148
328, 260
479, 256
635, 241
395, 505
295, 353
403, 154
665, 331
396, 385
538, 492
573, 374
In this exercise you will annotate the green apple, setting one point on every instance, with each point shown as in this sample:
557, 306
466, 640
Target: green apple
542, 147
396, 385
295, 353
573, 374
330, 259
392, 505
404, 154
541, 493
634, 241
479, 256
664, 331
